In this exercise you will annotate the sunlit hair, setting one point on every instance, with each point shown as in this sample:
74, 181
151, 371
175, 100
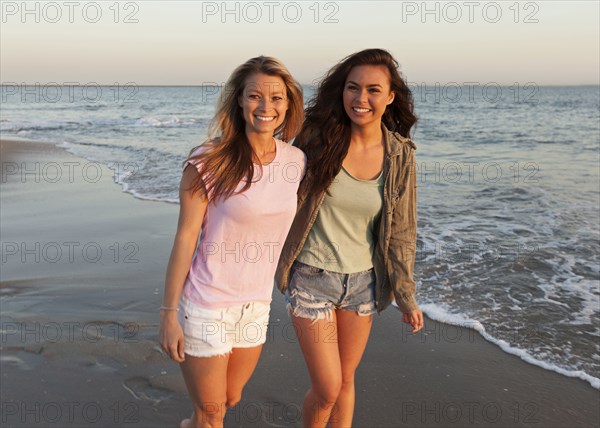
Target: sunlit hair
226, 157
325, 135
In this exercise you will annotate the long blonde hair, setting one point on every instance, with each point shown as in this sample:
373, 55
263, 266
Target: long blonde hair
226, 156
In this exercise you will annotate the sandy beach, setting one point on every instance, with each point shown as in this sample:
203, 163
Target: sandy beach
81, 281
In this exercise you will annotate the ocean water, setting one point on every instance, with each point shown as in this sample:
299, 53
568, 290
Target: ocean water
509, 196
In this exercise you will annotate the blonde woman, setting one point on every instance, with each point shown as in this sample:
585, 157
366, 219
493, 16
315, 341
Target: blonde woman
240, 190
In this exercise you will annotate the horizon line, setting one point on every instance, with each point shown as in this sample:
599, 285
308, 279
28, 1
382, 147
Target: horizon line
303, 84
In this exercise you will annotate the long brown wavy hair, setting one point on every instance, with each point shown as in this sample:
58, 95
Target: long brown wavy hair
325, 135
226, 156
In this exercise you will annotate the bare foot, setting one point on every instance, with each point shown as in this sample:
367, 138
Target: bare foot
186, 423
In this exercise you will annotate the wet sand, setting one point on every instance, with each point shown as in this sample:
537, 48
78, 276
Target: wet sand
81, 281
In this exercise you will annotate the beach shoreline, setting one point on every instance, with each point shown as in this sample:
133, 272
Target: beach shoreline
82, 274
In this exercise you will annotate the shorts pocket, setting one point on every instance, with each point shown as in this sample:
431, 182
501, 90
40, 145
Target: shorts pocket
304, 268
261, 310
207, 313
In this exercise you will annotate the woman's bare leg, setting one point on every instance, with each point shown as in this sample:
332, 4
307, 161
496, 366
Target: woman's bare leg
206, 380
353, 334
318, 341
242, 363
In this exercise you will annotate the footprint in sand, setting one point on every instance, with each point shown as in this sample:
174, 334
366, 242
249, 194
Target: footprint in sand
141, 389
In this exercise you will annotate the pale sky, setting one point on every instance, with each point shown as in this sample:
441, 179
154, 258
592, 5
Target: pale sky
199, 42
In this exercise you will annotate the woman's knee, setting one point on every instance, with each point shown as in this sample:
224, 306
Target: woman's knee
328, 392
348, 382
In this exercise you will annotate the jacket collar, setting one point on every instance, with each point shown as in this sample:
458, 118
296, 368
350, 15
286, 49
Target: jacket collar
394, 141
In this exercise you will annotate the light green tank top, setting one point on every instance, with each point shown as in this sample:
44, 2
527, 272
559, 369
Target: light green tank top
342, 237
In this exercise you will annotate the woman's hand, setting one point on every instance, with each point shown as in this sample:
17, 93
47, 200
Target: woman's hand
414, 318
171, 336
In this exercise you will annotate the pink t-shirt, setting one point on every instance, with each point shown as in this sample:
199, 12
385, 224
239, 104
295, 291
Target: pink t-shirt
243, 235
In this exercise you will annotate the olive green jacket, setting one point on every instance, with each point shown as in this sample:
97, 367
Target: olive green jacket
396, 242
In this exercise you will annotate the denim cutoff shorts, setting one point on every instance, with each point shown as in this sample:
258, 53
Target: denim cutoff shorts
314, 293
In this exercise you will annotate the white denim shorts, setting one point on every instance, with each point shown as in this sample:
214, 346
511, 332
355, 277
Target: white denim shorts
215, 332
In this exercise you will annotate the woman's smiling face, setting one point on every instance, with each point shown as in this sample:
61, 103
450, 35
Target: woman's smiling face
264, 103
367, 93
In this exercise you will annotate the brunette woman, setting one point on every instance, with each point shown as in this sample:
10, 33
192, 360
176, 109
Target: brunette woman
352, 244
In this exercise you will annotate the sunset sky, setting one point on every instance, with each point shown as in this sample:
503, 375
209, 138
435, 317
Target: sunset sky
194, 42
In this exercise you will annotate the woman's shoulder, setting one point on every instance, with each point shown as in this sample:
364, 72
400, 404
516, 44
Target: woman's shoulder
289, 151
202, 148
193, 158
196, 151
401, 141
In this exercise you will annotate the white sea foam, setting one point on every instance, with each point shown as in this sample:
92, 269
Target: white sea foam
165, 122
438, 313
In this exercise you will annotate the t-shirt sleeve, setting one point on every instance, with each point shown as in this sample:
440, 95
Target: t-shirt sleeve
298, 159
194, 162
303, 163
197, 163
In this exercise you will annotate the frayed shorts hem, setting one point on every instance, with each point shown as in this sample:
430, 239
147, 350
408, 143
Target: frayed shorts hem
327, 313
315, 293
207, 354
